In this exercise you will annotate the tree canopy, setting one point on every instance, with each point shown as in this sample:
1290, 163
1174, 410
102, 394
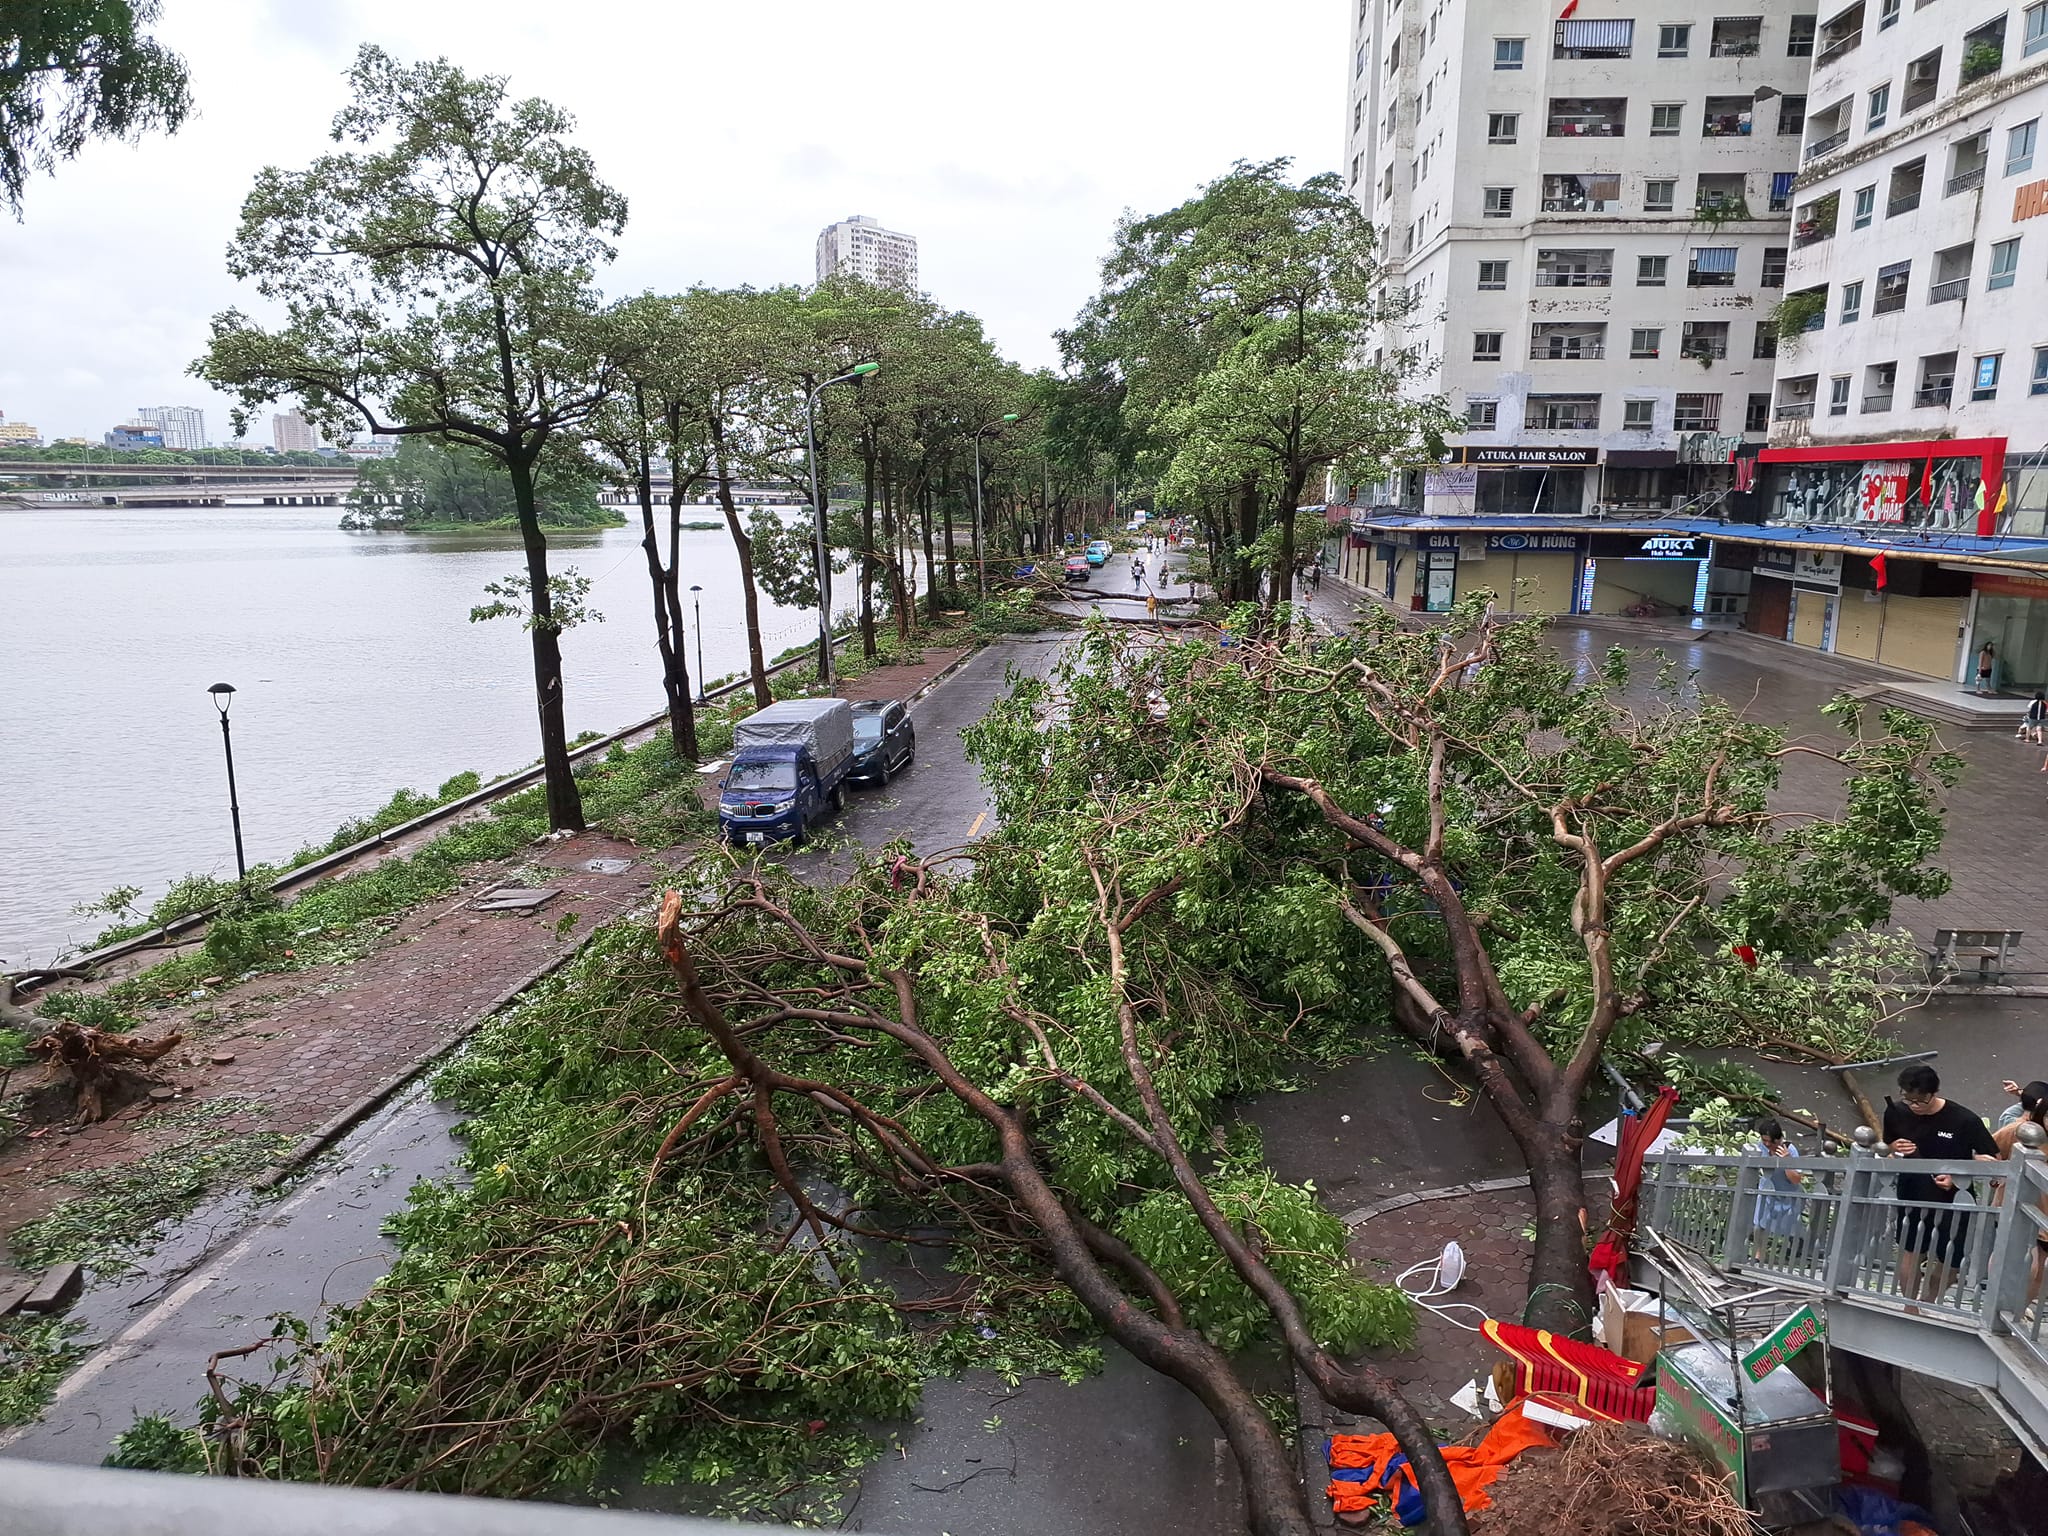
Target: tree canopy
72, 71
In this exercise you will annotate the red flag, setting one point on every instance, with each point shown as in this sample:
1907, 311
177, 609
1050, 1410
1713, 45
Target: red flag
1877, 570
1927, 482
1569, 7
1746, 953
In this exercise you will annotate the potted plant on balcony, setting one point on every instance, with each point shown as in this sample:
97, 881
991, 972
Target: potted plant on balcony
1981, 59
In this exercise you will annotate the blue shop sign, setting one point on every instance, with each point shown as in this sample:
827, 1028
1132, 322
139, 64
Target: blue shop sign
1536, 543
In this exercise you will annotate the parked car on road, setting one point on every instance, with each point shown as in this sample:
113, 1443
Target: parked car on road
1078, 568
884, 741
1100, 551
789, 764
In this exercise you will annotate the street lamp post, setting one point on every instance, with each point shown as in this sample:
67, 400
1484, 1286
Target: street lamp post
857, 371
223, 696
980, 554
697, 602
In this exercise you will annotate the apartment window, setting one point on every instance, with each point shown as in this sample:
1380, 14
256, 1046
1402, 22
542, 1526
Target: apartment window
1781, 190
2036, 35
1791, 116
1879, 380
1880, 108
1499, 203
1666, 119
1650, 271
1638, 415
1838, 395
1704, 340
1852, 303
1984, 377
1574, 269
1659, 196
1562, 413
1428, 94
1888, 15
1481, 415
1493, 274
1507, 52
2019, 147
1502, 127
2040, 382
1799, 44
1357, 165
1968, 159
1892, 283
1951, 281
1865, 207
1697, 413
1766, 344
1711, 266
1645, 343
1922, 76
1486, 346
1737, 37
2005, 263
1676, 42
1756, 415
1582, 194
1774, 267
1908, 182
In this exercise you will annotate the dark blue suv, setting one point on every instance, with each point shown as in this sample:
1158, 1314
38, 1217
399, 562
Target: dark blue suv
884, 740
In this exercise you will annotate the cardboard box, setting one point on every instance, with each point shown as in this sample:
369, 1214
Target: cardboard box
1628, 1325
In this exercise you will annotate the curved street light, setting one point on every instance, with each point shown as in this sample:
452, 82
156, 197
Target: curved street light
981, 555
857, 371
223, 696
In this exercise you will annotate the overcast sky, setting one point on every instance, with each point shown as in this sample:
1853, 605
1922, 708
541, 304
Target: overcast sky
1006, 138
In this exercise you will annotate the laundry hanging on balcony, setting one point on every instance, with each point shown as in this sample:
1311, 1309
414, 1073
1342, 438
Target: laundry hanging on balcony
1595, 34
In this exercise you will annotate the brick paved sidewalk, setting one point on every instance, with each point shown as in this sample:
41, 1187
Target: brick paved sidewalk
308, 1044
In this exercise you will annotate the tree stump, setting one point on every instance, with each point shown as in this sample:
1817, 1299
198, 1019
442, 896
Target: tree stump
100, 1064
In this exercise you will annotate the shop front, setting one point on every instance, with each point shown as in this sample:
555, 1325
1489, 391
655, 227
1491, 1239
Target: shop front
1830, 601
1647, 576
1514, 480
2011, 612
1536, 572
1951, 485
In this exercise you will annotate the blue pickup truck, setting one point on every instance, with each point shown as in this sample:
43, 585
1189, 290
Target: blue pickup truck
788, 770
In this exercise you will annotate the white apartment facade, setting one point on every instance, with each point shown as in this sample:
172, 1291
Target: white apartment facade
292, 433
859, 247
1920, 397
183, 426
1593, 216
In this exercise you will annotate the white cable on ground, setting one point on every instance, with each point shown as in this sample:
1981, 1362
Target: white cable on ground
1445, 1271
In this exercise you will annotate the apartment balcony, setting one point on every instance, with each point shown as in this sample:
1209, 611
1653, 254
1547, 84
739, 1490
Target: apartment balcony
1795, 410
1590, 118
1875, 404
1963, 181
1905, 203
1828, 145
1837, 46
1951, 292
1935, 394
1563, 352
1811, 233
1563, 279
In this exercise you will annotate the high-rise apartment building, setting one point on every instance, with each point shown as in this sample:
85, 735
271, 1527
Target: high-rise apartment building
131, 435
292, 433
182, 426
18, 434
1917, 396
860, 247
1591, 215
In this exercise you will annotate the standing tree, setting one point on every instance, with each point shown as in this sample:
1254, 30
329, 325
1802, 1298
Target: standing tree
72, 71
438, 284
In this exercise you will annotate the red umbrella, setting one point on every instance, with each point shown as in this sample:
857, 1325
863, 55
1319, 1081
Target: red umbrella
1638, 1130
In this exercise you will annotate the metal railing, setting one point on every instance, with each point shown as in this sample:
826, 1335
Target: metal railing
1846, 1232
1875, 403
1802, 237
1934, 394
1551, 352
1838, 46
1964, 181
1949, 291
1795, 410
1905, 202
1562, 277
1828, 145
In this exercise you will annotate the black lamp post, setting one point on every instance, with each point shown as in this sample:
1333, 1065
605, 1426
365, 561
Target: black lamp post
223, 696
697, 603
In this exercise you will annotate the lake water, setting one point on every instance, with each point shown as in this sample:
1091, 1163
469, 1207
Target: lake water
357, 668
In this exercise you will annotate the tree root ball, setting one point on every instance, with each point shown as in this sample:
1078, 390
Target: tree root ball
104, 1068
1613, 1480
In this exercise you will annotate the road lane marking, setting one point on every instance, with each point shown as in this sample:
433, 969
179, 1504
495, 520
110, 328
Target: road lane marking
978, 820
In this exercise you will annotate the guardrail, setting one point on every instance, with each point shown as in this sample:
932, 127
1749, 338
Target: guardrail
38, 1499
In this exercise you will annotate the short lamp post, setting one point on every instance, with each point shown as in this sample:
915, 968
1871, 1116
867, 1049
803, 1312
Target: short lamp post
223, 696
697, 602
857, 371
980, 554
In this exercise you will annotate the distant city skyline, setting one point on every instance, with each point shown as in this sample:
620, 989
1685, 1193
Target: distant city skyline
183, 426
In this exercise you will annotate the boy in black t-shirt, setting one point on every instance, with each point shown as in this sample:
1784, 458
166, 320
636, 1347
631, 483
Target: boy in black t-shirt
1928, 1126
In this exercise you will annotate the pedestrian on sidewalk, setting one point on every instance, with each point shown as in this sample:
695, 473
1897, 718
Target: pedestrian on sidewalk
1932, 1237
2031, 1109
1987, 665
2035, 726
1315, 578
1780, 1214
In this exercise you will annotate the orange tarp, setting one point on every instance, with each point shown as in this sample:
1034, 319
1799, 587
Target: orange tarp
1472, 1467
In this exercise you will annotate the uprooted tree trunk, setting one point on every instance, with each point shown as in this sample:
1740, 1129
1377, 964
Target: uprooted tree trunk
870, 1002
101, 1065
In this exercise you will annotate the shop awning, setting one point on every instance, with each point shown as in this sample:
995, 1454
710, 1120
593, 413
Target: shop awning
1596, 34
